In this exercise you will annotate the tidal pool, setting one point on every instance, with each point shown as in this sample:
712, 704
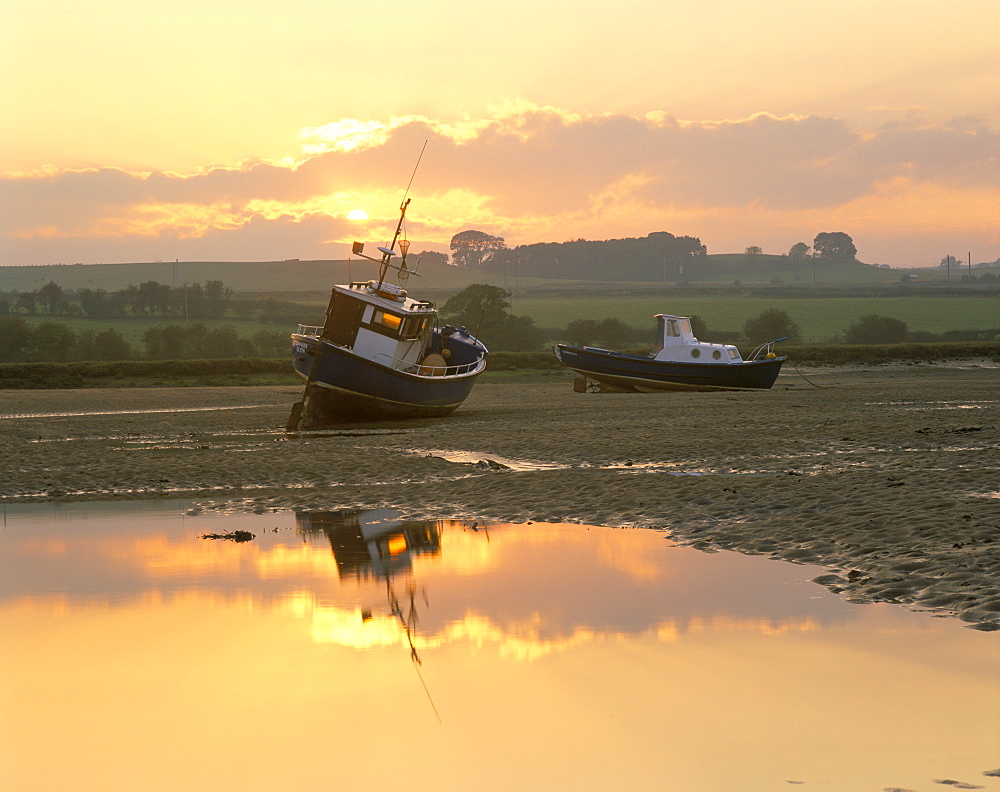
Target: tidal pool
363, 651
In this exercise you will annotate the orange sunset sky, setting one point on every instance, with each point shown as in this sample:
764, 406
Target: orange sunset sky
246, 130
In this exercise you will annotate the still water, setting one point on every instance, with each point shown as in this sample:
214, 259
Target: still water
360, 651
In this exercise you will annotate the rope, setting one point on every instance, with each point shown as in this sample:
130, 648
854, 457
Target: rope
809, 380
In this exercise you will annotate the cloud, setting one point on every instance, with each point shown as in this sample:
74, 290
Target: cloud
527, 172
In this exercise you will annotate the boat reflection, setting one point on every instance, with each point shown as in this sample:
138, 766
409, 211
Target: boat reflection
376, 544
371, 544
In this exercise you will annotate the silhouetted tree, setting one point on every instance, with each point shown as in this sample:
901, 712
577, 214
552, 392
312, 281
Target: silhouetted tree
769, 325
835, 245
485, 311
477, 306
475, 248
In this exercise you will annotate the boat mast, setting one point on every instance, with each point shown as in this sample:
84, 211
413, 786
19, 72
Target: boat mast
404, 244
387, 252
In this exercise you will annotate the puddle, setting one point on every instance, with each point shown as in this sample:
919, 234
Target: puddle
492, 462
935, 405
487, 461
477, 655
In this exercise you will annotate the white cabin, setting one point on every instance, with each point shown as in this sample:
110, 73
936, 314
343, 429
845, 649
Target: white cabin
676, 344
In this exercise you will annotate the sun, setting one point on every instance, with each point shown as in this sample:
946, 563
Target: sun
357, 214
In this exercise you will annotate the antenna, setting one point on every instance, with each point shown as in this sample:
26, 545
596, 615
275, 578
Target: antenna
413, 175
389, 250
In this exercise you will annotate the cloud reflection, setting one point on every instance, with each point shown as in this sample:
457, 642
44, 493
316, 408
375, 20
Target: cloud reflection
370, 579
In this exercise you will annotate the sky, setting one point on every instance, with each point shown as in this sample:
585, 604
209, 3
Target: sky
246, 130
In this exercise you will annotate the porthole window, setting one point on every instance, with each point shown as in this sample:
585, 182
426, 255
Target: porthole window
716, 354
695, 353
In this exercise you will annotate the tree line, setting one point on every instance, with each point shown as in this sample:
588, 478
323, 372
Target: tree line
52, 341
483, 309
192, 301
659, 256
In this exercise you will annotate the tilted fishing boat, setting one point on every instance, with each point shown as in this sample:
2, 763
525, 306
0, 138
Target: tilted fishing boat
382, 354
679, 362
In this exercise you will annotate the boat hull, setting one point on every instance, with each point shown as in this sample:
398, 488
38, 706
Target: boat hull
344, 387
638, 373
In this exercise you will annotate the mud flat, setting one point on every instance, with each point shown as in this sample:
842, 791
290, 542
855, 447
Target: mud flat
889, 477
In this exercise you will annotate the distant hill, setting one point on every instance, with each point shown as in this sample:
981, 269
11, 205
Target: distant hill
315, 278
241, 276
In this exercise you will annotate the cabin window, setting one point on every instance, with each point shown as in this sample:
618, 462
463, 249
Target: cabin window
672, 329
686, 326
414, 326
716, 354
733, 354
695, 353
387, 320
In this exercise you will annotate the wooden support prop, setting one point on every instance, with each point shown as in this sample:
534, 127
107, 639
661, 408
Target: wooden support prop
295, 417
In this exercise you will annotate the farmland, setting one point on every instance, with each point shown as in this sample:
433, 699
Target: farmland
819, 318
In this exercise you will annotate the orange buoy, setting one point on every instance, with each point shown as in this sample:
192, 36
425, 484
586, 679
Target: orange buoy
433, 365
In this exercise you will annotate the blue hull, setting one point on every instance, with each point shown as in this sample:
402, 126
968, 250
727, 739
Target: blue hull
346, 387
638, 373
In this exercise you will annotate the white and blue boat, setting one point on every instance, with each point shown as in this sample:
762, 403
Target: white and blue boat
382, 354
679, 362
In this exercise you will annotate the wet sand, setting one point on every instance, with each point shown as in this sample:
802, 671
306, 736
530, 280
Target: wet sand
888, 476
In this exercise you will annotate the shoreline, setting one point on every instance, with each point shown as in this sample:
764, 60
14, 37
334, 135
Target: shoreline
888, 477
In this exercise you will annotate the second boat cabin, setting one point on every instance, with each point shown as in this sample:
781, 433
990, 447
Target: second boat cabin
676, 343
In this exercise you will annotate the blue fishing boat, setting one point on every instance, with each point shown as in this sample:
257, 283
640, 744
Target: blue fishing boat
380, 353
679, 362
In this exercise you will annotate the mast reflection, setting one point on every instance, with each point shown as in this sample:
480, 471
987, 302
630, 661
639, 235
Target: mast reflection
376, 544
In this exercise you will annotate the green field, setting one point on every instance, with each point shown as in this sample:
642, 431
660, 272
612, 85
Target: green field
819, 318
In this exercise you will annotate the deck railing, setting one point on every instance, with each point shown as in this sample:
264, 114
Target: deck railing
408, 366
429, 371
765, 349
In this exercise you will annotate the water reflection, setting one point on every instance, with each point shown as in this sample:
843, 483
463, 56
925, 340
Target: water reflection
559, 656
368, 544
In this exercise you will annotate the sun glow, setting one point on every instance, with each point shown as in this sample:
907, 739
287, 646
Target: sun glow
357, 214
